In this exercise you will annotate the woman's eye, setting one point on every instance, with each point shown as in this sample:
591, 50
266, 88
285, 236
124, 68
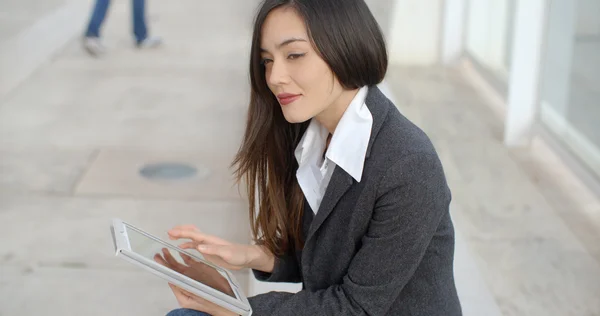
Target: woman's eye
265, 61
295, 56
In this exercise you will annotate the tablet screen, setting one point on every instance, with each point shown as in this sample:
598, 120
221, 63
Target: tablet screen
178, 261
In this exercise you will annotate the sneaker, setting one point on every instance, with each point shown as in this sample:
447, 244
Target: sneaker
150, 42
94, 46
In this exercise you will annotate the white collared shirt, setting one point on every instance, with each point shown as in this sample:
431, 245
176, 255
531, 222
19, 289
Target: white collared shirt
347, 149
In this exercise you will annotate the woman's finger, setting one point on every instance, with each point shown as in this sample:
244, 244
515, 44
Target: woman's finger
192, 228
187, 227
214, 250
180, 290
188, 300
188, 245
180, 296
196, 237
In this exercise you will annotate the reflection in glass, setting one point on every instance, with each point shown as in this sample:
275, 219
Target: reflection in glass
179, 261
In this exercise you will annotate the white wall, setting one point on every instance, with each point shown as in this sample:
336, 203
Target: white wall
415, 35
588, 17
454, 27
487, 32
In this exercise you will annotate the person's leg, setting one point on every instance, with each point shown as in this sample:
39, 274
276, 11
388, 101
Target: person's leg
97, 18
186, 312
91, 41
140, 30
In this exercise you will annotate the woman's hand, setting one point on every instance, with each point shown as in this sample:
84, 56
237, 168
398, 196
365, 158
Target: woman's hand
191, 301
224, 253
200, 272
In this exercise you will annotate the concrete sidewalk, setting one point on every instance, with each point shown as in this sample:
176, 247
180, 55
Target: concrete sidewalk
532, 227
74, 132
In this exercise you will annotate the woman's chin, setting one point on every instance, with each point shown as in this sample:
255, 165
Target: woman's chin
295, 118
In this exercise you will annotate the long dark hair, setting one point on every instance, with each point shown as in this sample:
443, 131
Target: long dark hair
347, 37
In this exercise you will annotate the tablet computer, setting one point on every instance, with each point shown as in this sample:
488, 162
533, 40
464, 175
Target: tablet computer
179, 267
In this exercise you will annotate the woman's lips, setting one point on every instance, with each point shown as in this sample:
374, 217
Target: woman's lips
286, 98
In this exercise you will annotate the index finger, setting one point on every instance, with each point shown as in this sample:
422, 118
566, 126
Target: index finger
197, 237
186, 227
183, 228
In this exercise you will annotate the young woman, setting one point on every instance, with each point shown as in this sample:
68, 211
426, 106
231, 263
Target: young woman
351, 197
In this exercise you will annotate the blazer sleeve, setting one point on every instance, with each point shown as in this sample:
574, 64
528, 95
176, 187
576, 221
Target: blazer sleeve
286, 269
412, 198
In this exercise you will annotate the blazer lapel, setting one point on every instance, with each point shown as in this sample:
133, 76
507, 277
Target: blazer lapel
338, 185
379, 105
341, 181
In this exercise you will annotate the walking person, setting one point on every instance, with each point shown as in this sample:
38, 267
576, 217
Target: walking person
92, 40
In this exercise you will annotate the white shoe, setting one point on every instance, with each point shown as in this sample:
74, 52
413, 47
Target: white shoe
150, 42
94, 46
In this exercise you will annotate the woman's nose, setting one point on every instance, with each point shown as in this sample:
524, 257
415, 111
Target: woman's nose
278, 74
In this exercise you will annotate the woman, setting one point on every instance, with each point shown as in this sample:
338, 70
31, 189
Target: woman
352, 199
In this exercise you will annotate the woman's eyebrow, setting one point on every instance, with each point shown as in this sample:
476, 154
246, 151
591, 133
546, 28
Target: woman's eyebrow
286, 42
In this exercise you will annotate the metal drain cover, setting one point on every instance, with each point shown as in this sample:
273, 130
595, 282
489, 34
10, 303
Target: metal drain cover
170, 171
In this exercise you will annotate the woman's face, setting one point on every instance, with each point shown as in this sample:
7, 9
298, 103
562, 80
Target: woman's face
303, 83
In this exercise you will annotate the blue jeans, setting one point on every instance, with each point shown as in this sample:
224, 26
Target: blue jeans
186, 312
139, 19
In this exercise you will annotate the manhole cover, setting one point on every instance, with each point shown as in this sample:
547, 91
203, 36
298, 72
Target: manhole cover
170, 171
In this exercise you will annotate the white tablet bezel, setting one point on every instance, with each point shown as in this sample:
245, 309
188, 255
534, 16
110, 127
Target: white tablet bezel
123, 250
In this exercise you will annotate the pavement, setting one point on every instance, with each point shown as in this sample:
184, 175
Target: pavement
75, 131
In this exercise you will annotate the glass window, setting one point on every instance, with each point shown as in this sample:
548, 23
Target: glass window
570, 92
490, 25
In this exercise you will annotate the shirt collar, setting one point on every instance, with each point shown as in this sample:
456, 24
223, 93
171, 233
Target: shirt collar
349, 143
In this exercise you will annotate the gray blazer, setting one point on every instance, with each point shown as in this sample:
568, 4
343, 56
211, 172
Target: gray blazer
384, 246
